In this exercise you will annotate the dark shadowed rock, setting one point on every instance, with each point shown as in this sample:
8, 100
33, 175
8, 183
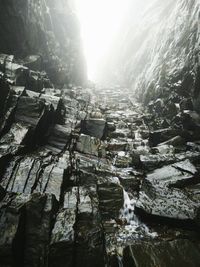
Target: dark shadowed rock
33, 62
40, 211
176, 141
111, 198
93, 127
161, 136
186, 104
89, 250
62, 247
191, 121
20, 216
167, 253
12, 229
111, 127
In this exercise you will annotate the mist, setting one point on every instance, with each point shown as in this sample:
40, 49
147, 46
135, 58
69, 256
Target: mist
103, 27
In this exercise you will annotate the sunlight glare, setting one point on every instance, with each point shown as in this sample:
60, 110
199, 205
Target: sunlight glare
100, 21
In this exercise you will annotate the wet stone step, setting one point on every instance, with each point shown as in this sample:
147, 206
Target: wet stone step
110, 194
20, 216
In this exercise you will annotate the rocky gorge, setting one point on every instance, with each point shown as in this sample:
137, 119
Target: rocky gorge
89, 175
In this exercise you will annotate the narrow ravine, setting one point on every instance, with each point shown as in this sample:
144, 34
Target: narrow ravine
99, 173
99, 176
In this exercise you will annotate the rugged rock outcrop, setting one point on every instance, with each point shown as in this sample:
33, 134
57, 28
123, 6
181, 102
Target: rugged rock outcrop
45, 34
89, 179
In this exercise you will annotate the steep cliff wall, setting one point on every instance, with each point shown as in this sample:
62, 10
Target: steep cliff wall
46, 28
162, 53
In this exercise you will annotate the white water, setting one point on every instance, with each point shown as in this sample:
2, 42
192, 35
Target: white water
120, 263
143, 144
134, 228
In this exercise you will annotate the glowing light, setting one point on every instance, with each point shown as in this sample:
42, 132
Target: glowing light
100, 21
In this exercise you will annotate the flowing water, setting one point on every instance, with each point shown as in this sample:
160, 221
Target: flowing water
134, 228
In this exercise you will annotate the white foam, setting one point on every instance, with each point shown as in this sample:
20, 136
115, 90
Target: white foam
134, 228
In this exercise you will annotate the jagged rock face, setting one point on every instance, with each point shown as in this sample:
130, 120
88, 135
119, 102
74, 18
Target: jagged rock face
84, 182
47, 29
161, 54
173, 61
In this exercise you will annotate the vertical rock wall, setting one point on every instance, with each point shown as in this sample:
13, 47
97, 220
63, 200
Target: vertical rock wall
46, 28
161, 54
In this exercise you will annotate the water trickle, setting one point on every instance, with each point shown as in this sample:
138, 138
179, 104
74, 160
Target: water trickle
142, 144
128, 211
114, 161
120, 262
138, 135
134, 228
121, 153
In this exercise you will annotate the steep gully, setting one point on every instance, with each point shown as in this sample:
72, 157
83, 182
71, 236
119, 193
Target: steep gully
90, 178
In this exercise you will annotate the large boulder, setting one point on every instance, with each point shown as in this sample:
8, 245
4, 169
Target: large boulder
162, 192
191, 122
94, 127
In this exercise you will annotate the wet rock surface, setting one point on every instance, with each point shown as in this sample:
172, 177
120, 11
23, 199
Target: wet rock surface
161, 192
157, 61
169, 253
89, 179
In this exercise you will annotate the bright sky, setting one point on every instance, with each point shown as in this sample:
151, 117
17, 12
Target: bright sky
100, 21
